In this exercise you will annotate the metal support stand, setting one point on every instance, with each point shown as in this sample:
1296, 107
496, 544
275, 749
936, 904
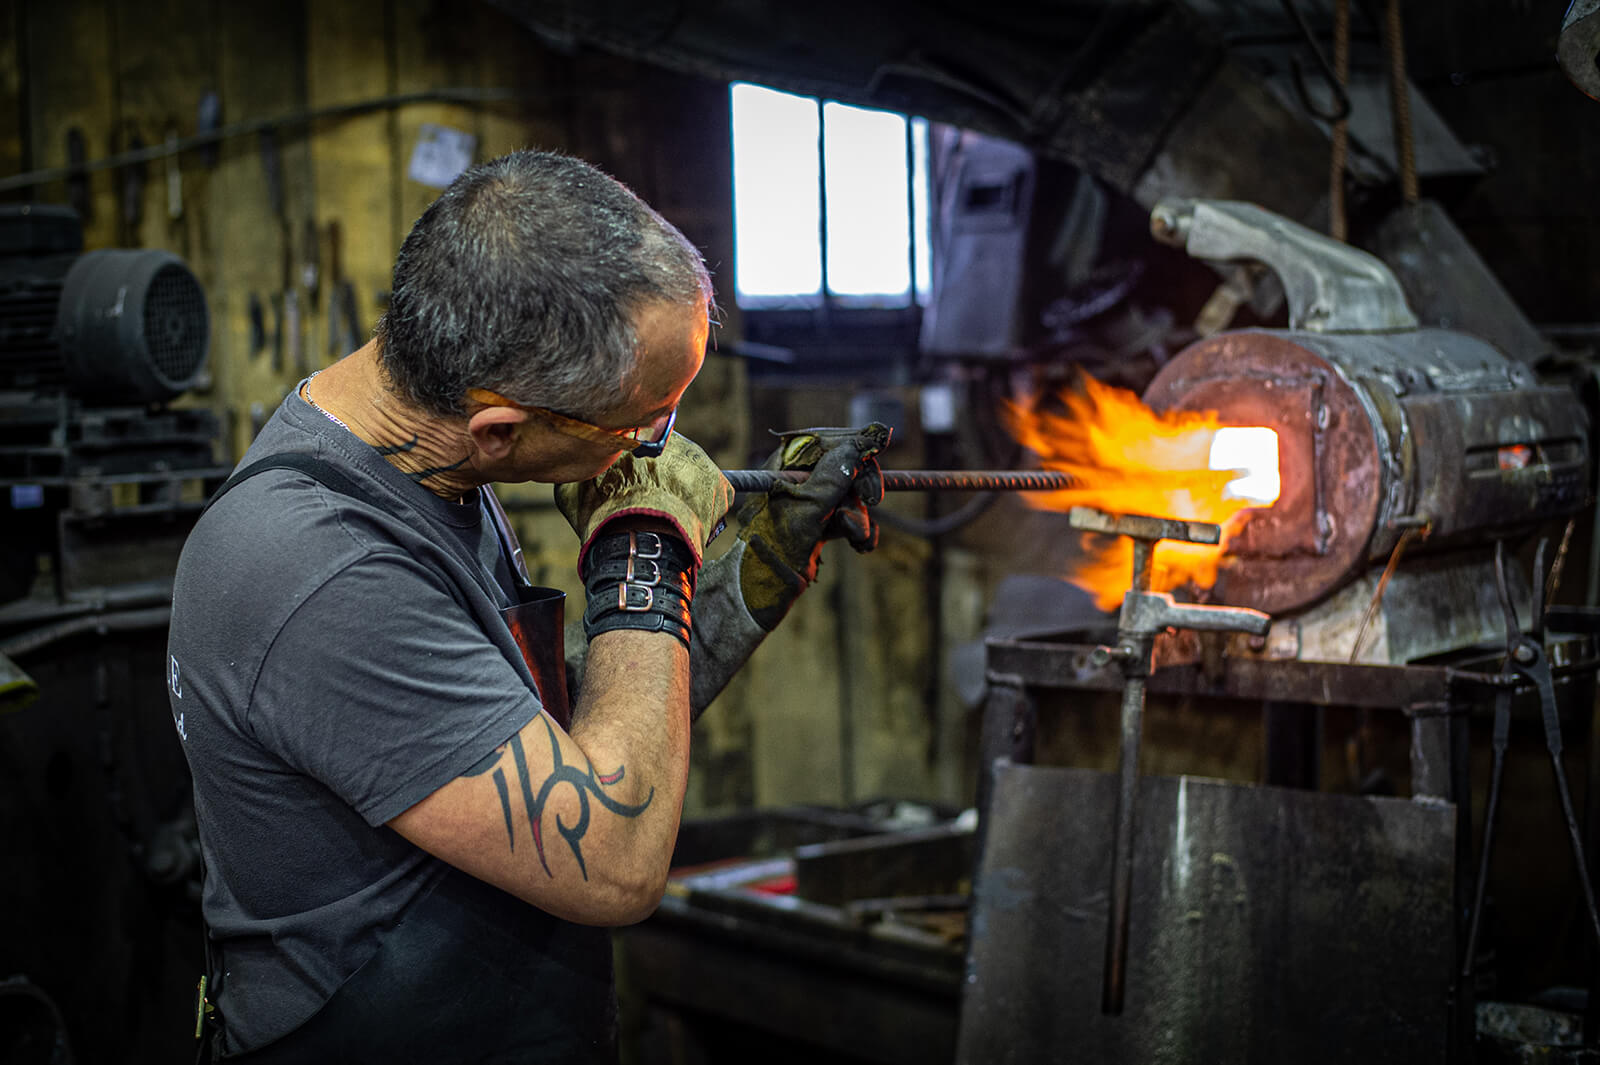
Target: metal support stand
1145, 615
1010, 725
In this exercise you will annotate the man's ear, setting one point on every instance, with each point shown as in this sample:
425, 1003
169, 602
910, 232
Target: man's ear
494, 430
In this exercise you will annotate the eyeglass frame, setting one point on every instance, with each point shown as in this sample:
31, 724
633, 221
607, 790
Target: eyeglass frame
622, 439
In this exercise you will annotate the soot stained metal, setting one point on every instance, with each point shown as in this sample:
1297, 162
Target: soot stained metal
1384, 429
1380, 427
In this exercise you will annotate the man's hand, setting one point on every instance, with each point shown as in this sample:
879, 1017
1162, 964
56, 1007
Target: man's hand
784, 530
682, 487
743, 594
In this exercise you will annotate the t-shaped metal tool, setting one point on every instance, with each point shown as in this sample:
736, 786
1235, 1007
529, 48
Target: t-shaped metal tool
1145, 615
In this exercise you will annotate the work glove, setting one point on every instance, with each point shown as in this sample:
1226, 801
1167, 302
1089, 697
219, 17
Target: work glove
784, 530
681, 486
742, 595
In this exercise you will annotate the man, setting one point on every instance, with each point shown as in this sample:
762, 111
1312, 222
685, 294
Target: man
408, 858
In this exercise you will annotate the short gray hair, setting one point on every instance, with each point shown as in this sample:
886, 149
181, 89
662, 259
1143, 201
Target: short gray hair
526, 277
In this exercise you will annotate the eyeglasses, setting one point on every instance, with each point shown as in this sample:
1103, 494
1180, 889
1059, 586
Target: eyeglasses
644, 441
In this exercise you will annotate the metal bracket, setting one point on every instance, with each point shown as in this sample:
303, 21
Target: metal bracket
1331, 287
1578, 46
1143, 526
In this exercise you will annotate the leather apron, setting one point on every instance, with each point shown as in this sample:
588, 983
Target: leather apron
470, 974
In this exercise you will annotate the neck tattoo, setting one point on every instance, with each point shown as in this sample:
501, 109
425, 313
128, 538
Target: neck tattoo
418, 476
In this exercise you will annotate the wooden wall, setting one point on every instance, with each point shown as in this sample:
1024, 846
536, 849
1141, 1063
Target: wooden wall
125, 73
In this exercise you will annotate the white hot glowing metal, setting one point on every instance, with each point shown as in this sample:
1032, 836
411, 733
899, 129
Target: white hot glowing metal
1253, 451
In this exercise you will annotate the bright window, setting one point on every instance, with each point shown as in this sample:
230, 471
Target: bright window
830, 203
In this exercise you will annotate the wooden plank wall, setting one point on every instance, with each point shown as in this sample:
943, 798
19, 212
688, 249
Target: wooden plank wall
133, 71
124, 73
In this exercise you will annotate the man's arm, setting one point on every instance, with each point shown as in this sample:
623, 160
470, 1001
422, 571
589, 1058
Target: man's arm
582, 826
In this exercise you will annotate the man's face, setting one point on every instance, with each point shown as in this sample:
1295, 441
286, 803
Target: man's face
672, 347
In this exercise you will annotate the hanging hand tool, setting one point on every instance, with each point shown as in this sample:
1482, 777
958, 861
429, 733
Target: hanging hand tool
1505, 686
277, 332
343, 328
258, 326
1145, 615
1501, 739
349, 318
133, 180
291, 326
272, 171
174, 177
311, 262
78, 174
207, 120
1526, 662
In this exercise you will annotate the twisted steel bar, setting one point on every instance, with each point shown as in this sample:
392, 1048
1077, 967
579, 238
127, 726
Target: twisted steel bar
922, 480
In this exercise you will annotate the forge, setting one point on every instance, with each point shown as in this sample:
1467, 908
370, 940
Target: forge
1427, 436
1417, 467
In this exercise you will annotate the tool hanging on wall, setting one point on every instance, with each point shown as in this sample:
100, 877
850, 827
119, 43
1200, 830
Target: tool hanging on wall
292, 327
133, 182
77, 175
174, 177
258, 325
311, 262
289, 350
272, 170
344, 331
277, 332
349, 317
207, 121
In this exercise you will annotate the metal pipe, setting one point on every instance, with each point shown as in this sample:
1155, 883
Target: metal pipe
1114, 986
26, 643
921, 480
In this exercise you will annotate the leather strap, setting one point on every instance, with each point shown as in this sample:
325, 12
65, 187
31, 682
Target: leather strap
641, 581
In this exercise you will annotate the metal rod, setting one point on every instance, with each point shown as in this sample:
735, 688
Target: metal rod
1115, 983
1502, 736
247, 127
922, 480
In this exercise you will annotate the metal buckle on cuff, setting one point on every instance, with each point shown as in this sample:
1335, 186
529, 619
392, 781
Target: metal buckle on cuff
637, 542
633, 575
628, 603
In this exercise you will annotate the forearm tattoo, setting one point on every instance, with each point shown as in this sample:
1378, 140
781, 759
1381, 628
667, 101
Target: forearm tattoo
534, 802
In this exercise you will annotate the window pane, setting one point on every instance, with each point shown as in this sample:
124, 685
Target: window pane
777, 247
866, 202
919, 209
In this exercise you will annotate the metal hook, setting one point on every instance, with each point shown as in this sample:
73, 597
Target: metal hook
1341, 107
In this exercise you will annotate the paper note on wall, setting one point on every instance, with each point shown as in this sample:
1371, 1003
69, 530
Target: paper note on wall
441, 154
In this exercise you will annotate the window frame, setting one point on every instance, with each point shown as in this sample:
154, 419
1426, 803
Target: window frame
844, 331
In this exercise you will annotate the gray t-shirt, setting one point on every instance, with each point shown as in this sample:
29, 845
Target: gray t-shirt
325, 675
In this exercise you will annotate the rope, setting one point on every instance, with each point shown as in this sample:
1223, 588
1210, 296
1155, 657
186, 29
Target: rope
1400, 96
1341, 128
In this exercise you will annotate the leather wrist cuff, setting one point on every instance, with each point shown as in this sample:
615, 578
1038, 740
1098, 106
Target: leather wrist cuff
641, 581
622, 547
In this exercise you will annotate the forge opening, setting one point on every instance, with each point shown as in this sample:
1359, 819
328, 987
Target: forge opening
1251, 451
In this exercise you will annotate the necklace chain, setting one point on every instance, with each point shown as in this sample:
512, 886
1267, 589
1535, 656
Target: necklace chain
305, 393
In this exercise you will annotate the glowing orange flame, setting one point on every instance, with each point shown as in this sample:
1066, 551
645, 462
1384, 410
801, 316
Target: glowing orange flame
1127, 459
